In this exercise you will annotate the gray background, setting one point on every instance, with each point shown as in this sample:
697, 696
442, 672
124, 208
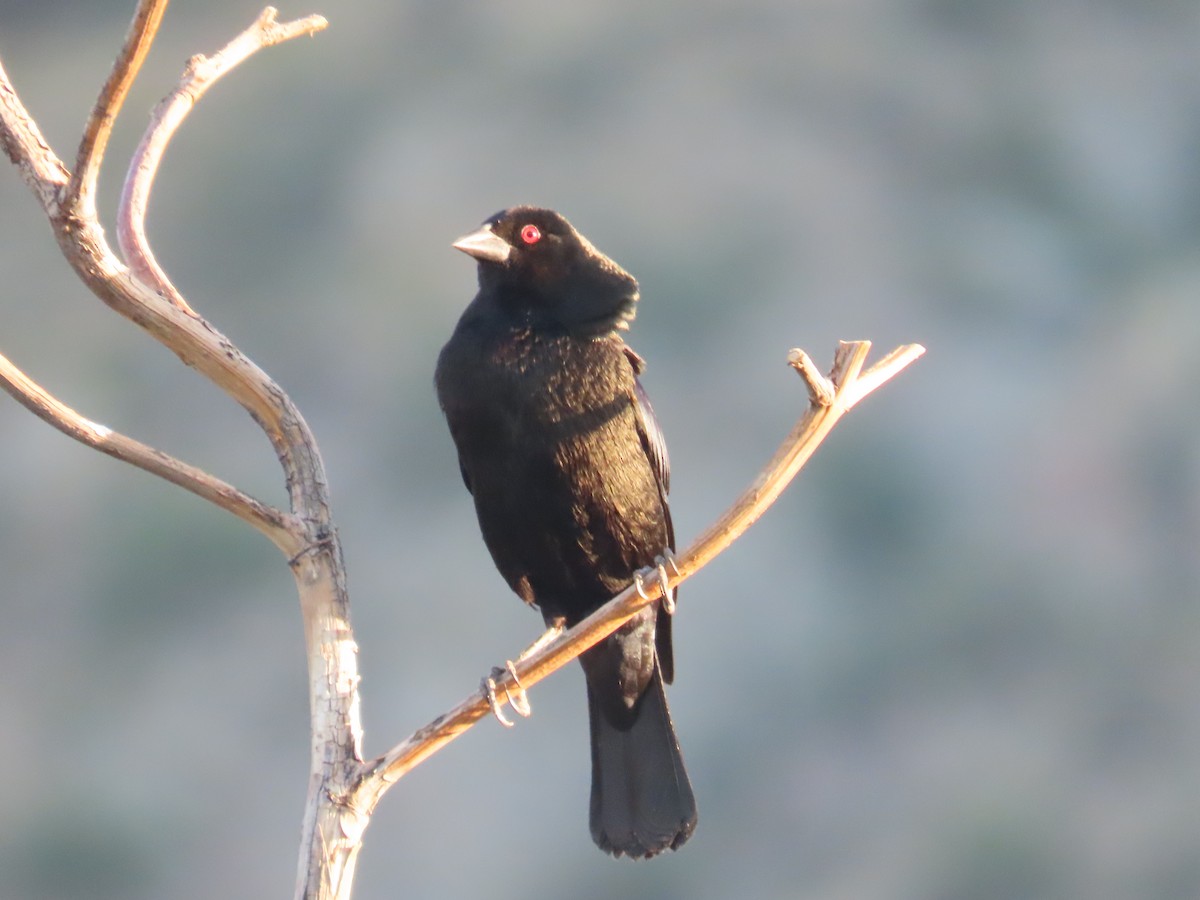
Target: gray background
958, 659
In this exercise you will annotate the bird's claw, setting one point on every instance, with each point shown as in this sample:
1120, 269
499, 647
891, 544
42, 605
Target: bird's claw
660, 569
668, 594
488, 686
639, 586
517, 699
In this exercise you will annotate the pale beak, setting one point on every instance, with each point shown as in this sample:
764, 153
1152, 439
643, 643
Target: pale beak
485, 245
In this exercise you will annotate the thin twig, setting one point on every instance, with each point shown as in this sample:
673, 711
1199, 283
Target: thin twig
23, 143
881, 372
795, 450
81, 191
202, 73
820, 388
270, 521
379, 774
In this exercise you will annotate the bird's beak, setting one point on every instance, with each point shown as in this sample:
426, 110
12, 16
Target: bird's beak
485, 245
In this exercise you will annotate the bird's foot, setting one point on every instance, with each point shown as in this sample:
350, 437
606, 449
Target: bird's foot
639, 584
516, 699
660, 570
668, 593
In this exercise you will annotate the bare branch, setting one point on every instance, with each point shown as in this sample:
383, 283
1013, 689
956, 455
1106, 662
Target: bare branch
201, 73
820, 388
81, 191
883, 370
794, 452
270, 521
198, 344
306, 535
379, 774
23, 143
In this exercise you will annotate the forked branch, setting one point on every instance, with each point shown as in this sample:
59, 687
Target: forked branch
830, 399
143, 294
81, 190
66, 198
273, 523
202, 73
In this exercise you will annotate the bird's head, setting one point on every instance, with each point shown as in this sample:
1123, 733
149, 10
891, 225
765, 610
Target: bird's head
535, 263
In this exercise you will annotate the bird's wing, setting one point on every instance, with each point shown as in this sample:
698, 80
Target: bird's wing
655, 446
653, 441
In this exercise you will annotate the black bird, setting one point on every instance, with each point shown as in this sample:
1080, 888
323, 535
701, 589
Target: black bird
560, 449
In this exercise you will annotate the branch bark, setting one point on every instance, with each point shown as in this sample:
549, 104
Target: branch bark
274, 524
831, 399
144, 296
343, 788
202, 73
81, 190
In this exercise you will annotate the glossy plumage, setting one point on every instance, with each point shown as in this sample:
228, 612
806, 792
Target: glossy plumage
569, 472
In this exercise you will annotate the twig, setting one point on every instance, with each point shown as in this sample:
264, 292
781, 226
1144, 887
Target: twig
81, 191
847, 389
794, 452
270, 521
820, 388
202, 73
881, 372
24, 144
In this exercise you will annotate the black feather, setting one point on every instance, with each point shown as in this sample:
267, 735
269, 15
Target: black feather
559, 446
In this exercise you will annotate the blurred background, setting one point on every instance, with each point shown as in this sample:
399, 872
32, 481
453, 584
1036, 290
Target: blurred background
958, 659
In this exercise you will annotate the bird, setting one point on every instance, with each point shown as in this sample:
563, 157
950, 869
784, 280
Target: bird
568, 468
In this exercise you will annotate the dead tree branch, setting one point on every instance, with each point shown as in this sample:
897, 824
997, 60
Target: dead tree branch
142, 294
343, 789
831, 397
81, 190
270, 521
202, 73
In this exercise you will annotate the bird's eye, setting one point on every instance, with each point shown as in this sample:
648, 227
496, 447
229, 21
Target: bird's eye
531, 234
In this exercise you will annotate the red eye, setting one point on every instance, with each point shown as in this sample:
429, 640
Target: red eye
531, 234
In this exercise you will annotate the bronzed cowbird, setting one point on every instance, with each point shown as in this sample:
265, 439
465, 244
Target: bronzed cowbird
568, 469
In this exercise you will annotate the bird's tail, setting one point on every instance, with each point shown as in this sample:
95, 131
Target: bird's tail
642, 802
